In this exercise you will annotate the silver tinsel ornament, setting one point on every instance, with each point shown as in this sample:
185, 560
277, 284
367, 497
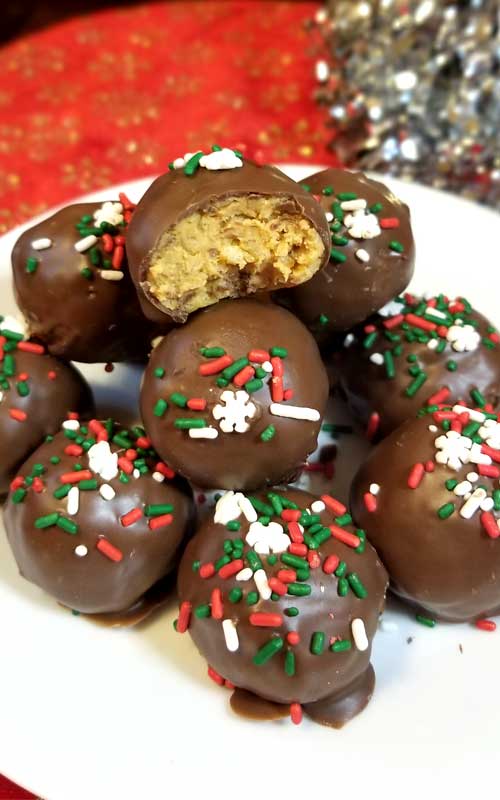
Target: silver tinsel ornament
412, 88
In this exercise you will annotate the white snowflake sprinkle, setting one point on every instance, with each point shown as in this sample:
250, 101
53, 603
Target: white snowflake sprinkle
233, 412
267, 538
109, 212
463, 338
454, 450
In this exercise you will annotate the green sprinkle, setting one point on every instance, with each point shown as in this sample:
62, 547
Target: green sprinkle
341, 569
376, 207
322, 536
159, 372
451, 365
23, 389
427, 621
262, 508
276, 503
396, 246
254, 561
370, 339
201, 612
235, 595
233, 525
67, 525
31, 265
347, 196
344, 520
254, 385
272, 560
335, 226
340, 240
441, 346
86, 273
228, 547
229, 372
186, 423
356, 585
389, 364
158, 509
221, 562
47, 521
292, 611
327, 191
293, 561
496, 499
343, 587
451, 483
193, 163
341, 646
195, 566
160, 407
212, 352
252, 598
303, 574
124, 478
19, 495
9, 365
446, 510
336, 255
290, 663
299, 589
38, 469
178, 399
412, 389
338, 212
362, 541
268, 433
222, 382
89, 485
62, 491
279, 352
269, 650
478, 398
95, 256
306, 187
471, 428
317, 643
323, 319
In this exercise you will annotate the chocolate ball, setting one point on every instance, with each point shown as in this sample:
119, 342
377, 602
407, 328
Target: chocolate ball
281, 596
217, 226
72, 296
372, 257
417, 352
428, 499
97, 518
37, 392
234, 398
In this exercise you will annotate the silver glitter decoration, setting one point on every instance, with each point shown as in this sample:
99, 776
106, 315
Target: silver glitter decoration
412, 88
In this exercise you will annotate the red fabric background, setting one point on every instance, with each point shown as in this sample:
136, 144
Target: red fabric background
116, 95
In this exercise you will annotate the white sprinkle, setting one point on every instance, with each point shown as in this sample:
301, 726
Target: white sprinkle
244, 574
110, 212
267, 366
262, 585
349, 339
322, 588
475, 416
71, 425
226, 508
267, 538
329, 216
473, 477
374, 488
107, 492
73, 501
158, 477
230, 635
111, 274
203, 433
488, 504
246, 508
362, 255
103, 461
377, 358
1, 396
86, 243
322, 71
432, 344
473, 504
462, 488
435, 312
294, 412
81, 550
317, 507
388, 627
433, 428
221, 159
353, 205
41, 244
136, 474
359, 634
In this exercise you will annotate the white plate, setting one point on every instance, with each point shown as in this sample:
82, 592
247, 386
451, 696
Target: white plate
88, 712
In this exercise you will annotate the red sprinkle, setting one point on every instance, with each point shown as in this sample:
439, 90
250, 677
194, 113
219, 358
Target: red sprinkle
440, 416
486, 625
18, 415
107, 243
277, 364
287, 575
313, 559
456, 426
31, 347
298, 549
494, 337
370, 502
369, 329
416, 475
228, 570
442, 331
163, 469
419, 322
373, 425
131, 517
73, 450
117, 258
295, 533
258, 356
489, 451
344, 536
215, 365
23, 376
17, 483
330, 564
99, 430
38, 485
439, 397
296, 713
216, 604
277, 393
293, 638
429, 466
393, 322
489, 524
215, 677
131, 454
126, 203
197, 404
125, 465
388, 222
143, 442
333, 505
109, 550
489, 470
243, 375
290, 514
207, 570
277, 586
51, 375
119, 239
229, 685
76, 477
184, 617
263, 620
288, 394
73, 415
160, 522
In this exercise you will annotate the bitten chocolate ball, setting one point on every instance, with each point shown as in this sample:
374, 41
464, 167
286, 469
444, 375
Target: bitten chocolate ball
372, 257
72, 284
282, 596
234, 398
417, 352
429, 501
96, 518
37, 392
217, 226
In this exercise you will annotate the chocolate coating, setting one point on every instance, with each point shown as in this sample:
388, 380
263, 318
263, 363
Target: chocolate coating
234, 460
54, 390
450, 567
314, 676
79, 318
94, 583
174, 196
368, 386
345, 293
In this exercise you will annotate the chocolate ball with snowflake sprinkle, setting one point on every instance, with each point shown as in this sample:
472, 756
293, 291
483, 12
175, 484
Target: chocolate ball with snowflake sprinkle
234, 398
418, 352
428, 497
96, 518
281, 595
